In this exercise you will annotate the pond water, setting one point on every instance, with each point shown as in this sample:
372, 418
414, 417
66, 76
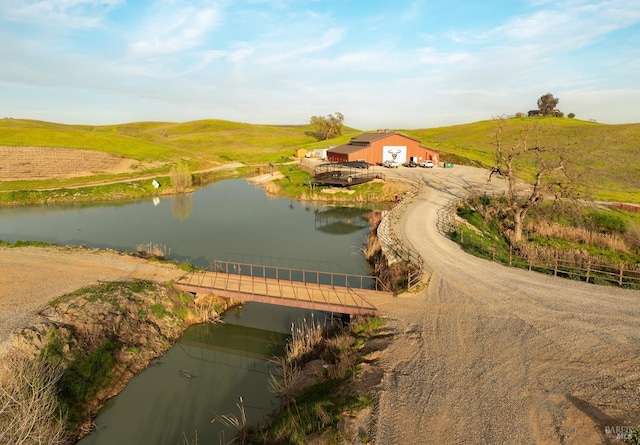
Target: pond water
200, 379
212, 366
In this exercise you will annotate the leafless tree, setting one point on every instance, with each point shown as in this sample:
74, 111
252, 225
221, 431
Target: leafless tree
526, 154
181, 177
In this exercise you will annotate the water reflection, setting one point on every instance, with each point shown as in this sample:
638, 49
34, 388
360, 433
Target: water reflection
182, 206
227, 219
342, 220
202, 376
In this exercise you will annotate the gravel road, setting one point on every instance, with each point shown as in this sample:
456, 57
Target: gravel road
30, 277
493, 355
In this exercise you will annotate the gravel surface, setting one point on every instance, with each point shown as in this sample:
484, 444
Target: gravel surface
30, 277
492, 355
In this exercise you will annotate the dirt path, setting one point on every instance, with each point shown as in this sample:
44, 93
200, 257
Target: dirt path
30, 277
490, 355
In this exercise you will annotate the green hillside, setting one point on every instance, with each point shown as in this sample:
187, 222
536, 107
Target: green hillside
201, 143
608, 156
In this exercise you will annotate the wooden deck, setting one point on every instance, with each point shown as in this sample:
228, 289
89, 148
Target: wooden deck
324, 297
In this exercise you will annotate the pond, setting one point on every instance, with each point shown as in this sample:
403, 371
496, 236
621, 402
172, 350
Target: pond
229, 220
213, 365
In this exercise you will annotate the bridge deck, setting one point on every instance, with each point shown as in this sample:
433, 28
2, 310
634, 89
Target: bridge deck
282, 292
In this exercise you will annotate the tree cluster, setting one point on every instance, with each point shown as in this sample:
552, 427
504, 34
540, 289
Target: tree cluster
547, 104
327, 127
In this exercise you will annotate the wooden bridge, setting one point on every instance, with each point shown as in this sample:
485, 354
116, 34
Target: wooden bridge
315, 290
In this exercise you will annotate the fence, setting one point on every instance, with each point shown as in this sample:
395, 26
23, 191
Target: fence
395, 246
586, 268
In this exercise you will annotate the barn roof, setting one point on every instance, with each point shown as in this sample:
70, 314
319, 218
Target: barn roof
362, 141
347, 149
370, 137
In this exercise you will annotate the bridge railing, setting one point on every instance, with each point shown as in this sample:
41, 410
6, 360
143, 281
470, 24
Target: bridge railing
298, 275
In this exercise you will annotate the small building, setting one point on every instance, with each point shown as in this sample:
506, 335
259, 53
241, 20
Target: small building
384, 145
300, 153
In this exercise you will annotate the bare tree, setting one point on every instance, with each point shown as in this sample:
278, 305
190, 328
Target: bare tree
327, 127
526, 154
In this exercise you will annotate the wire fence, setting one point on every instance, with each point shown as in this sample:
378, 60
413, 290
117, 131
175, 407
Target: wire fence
554, 262
395, 246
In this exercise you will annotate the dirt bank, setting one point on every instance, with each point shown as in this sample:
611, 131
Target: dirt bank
30, 277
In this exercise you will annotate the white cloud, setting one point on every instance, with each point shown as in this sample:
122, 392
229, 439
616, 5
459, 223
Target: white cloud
173, 28
68, 13
290, 50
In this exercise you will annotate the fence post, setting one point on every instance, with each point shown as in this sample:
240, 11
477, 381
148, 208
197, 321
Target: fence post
588, 270
621, 274
510, 254
555, 267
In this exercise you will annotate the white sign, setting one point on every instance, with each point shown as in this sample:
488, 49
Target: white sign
397, 153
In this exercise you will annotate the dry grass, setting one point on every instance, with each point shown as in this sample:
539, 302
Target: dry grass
29, 407
578, 234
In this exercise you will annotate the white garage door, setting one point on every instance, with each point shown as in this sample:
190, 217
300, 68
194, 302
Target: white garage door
396, 153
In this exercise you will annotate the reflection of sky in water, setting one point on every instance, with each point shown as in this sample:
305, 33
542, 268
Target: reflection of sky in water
229, 220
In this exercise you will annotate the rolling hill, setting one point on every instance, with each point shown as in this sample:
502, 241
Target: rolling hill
608, 155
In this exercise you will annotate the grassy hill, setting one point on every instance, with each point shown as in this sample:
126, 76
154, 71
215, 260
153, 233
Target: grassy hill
200, 143
608, 154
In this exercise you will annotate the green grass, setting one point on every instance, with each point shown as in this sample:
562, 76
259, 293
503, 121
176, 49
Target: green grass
84, 377
606, 156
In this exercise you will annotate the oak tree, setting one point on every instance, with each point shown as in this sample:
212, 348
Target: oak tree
327, 127
547, 103
526, 154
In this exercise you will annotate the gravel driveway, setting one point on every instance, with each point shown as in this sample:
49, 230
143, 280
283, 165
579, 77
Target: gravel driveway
493, 355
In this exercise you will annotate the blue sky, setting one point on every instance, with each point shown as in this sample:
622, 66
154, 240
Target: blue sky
383, 64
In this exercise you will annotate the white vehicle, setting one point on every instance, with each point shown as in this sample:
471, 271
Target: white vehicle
427, 164
391, 164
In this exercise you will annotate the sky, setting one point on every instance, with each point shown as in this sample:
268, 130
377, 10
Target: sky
398, 64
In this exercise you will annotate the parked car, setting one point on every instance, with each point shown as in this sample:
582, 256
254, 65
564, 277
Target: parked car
391, 164
427, 164
410, 164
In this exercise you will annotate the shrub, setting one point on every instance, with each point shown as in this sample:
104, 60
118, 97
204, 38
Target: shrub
181, 177
29, 408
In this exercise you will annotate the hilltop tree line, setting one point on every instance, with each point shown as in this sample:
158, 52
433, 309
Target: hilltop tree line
547, 107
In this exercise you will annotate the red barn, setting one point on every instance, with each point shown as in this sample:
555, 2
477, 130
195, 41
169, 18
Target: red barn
382, 146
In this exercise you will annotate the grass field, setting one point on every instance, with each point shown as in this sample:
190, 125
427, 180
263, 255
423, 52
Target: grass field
608, 156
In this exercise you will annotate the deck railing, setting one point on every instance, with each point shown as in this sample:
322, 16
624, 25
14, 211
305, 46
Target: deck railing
336, 279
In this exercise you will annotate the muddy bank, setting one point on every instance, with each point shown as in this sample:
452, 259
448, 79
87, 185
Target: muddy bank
135, 321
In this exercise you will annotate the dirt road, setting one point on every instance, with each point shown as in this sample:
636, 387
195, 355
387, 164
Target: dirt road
493, 355
30, 277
